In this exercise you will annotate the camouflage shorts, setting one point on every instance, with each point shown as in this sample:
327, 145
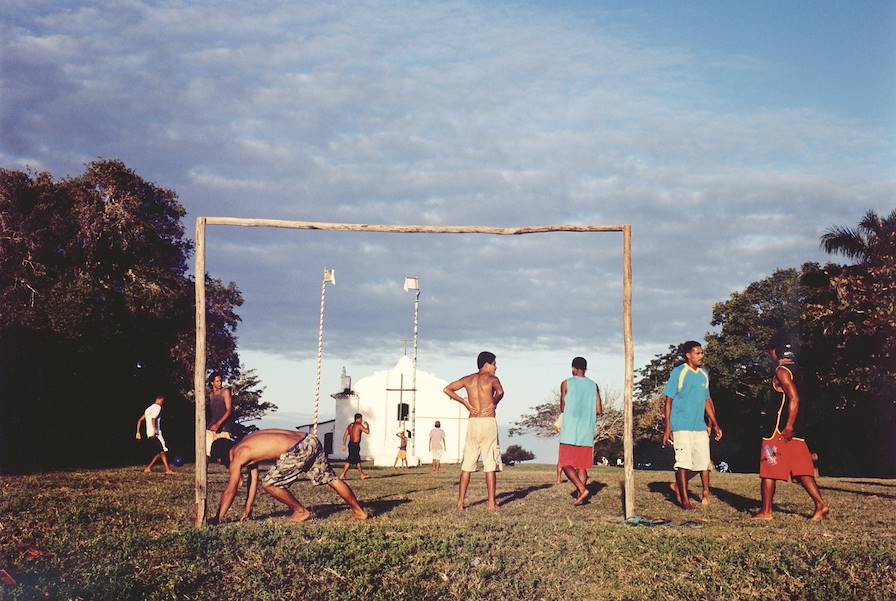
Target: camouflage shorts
306, 458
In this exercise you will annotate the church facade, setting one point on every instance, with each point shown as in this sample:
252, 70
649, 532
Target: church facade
384, 399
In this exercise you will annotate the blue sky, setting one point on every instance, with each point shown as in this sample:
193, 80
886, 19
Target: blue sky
729, 134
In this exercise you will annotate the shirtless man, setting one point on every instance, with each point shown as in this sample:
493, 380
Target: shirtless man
402, 454
352, 436
484, 391
297, 455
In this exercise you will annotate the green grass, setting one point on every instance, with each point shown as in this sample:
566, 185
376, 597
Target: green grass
121, 534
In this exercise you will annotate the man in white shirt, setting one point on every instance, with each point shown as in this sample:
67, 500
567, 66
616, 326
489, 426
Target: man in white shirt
154, 439
437, 446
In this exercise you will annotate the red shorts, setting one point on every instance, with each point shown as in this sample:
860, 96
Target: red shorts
580, 458
782, 460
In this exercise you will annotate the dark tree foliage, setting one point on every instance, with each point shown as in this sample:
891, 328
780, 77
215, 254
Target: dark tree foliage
516, 454
97, 317
738, 364
842, 319
246, 391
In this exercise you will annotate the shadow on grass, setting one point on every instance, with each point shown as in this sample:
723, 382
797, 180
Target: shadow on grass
405, 492
858, 492
744, 504
376, 477
886, 484
320, 512
662, 487
513, 495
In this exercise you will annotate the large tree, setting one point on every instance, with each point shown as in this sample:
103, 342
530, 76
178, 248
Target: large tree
97, 316
873, 241
850, 314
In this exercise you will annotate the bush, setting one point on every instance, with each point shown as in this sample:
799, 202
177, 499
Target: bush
516, 453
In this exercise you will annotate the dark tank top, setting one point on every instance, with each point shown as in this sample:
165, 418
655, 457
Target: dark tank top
217, 408
781, 406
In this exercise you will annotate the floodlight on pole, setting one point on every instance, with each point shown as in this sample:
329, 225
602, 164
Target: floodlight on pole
329, 278
412, 284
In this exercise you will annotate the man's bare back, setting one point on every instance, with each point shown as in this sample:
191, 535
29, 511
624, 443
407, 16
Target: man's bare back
484, 391
355, 430
265, 445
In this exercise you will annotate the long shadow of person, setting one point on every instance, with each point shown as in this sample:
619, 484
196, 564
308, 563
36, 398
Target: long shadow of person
513, 495
593, 488
870, 483
742, 503
865, 493
320, 512
664, 489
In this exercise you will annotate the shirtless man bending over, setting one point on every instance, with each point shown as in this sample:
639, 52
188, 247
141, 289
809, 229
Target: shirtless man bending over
297, 455
483, 393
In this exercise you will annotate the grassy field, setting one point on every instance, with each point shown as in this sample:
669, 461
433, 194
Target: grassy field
122, 534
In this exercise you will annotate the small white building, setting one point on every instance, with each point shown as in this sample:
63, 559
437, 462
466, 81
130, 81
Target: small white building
326, 433
384, 399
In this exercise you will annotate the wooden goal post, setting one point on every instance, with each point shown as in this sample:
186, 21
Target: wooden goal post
199, 369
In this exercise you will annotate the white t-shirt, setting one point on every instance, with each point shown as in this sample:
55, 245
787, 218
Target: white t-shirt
436, 438
153, 421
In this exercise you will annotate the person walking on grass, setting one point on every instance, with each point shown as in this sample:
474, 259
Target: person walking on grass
437, 446
784, 454
297, 455
484, 391
580, 405
402, 449
687, 402
154, 439
352, 436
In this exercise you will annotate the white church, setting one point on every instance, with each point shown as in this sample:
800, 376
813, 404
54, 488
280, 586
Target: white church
384, 399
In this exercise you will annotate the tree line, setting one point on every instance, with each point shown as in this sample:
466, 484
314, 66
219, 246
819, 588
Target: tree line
842, 318
97, 317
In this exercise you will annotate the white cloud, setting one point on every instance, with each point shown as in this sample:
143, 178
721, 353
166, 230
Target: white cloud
449, 113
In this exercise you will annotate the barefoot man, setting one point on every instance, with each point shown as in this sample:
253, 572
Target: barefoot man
298, 455
154, 439
352, 435
687, 401
437, 446
483, 393
784, 455
580, 405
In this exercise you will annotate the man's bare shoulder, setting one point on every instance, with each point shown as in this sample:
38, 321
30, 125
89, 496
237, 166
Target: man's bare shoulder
468, 379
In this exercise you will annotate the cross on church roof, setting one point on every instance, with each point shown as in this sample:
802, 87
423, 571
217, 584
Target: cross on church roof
401, 390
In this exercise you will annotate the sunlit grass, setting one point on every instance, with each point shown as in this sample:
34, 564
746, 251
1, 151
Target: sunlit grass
122, 534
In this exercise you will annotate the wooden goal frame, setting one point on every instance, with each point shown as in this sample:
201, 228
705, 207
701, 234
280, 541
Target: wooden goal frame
199, 374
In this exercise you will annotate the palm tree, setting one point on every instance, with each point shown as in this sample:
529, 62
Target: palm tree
870, 242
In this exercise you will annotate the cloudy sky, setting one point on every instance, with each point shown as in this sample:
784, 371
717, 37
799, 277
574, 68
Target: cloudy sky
729, 134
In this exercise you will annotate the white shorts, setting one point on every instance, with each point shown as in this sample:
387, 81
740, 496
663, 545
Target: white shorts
482, 441
437, 454
211, 437
691, 450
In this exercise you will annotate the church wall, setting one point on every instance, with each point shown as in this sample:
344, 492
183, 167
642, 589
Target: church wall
380, 410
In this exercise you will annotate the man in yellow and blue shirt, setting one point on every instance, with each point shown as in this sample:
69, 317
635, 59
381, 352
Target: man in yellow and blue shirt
687, 401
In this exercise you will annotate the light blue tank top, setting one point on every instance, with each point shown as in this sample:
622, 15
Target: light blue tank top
580, 412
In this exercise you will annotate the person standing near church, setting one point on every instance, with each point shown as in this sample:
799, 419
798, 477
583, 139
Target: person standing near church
351, 441
402, 449
484, 391
437, 446
580, 404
